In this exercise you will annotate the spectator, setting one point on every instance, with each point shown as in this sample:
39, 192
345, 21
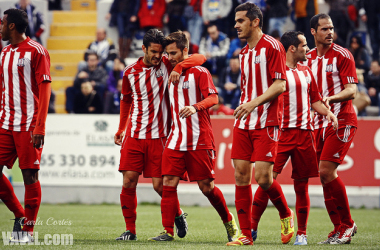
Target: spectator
215, 47
194, 20
216, 12
115, 75
338, 40
370, 14
123, 15
51, 108
151, 14
339, 16
276, 35
87, 101
175, 10
278, 13
361, 56
220, 109
55, 4
193, 48
229, 83
93, 73
112, 100
373, 83
235, 47
304, 11
105, 49
36, 24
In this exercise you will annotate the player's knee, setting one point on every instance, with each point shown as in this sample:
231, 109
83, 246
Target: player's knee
263, 181
30, 176
158, 189
242, 178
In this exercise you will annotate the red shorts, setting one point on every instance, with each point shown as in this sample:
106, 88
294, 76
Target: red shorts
15, 144
255, 145
142, 156
199, 164
299, 144
332, 145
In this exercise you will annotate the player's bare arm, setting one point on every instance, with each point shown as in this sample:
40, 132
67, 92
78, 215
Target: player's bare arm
348, 93
277, 88
323, 110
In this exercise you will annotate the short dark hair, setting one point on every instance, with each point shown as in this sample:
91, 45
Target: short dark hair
212, 25
291, 38
253, 12
153, 36
314, 21
19, 18
92, 53
179, 38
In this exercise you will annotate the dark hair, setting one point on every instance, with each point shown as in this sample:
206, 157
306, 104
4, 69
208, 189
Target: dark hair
291, 38
179, 38
358, 39
19, 18
212, 25
92, 53
253, 12
314, 21
235, 57
153, 36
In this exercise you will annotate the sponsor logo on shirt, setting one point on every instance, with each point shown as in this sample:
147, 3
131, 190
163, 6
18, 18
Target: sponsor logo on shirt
21, 62
159, 73
257, 59
329, 68
308, 79
186, 85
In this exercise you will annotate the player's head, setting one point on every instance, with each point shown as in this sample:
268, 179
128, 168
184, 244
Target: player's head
177, 47
295, 45
153, 47
248, 17
14, 20
322, 29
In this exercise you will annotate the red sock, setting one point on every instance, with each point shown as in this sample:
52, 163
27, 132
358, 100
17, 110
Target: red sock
338, 192
7, 195
278, 199
216, 199
331, 208
302, 205
128, 202
169, 207
243, 203
260, 203
32, 202
179, 210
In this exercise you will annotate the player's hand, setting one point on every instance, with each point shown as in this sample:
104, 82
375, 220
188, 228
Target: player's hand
174, 77
38, 140
243, 111
118, 138
108, 16
332, 118
326, 101
187, 111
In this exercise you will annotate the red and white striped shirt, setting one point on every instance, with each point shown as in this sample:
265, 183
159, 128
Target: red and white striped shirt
150, 117
194, 132
23, 67
301, 92
260, 66
331, 72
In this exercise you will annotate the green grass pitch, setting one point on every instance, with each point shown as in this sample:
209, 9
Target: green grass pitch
96, 227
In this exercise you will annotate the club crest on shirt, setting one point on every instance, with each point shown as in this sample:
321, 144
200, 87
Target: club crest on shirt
329, 68
21, 62
308, 79
257, 59
159, 73
186, 85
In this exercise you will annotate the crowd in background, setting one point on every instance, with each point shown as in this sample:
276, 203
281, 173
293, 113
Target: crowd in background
209, 25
